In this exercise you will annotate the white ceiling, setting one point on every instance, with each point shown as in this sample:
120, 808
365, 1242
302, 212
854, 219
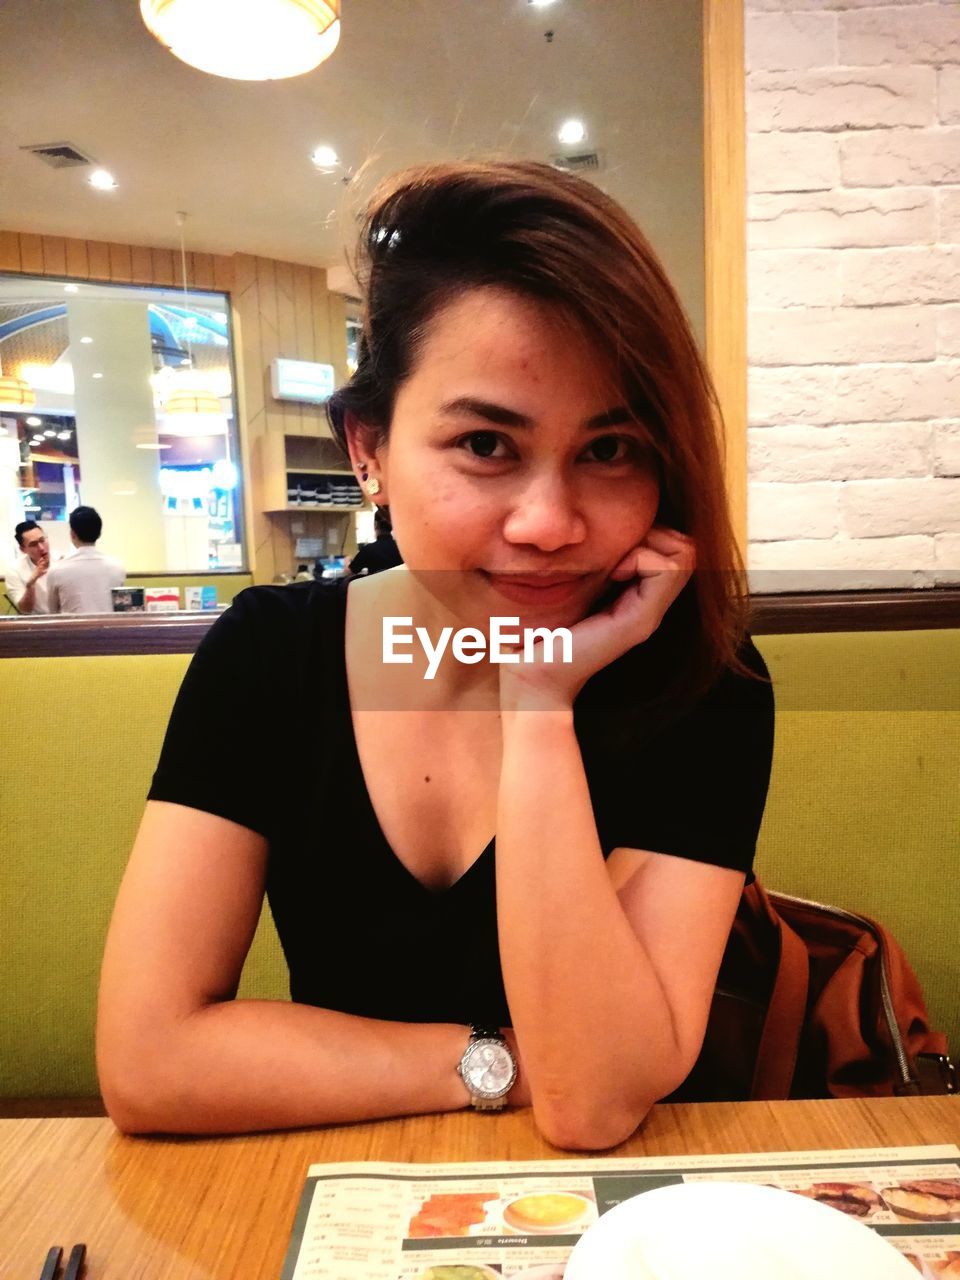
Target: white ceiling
411, 80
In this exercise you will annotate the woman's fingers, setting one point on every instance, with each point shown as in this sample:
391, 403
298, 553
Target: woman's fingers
661, 549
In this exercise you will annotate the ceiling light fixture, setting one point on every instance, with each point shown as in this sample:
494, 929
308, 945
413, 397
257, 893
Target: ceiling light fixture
246, 39
102, 180
325, 158
86, 340
71, 288
571, 132
34, 421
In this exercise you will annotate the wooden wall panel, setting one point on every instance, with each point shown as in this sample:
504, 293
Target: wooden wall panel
9, 251
31, 254
725, 237
164, 268
54, 256
121, 269
141, 265
78, 259
202, 273
98, 255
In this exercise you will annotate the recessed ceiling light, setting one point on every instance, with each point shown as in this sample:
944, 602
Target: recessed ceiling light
571, 132
540, 4
86, 339
156, 445
63, 435
98, 375
70, 288
34, 421
49, 433
325, 158
102, 180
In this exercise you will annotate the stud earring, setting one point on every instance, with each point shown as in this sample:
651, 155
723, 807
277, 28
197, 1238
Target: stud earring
373, 486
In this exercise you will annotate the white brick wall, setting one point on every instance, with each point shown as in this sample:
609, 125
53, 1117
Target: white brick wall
853, 117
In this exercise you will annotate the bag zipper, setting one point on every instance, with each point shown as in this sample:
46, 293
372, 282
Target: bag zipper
908, 1077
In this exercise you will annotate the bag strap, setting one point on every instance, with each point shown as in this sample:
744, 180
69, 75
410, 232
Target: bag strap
780, 1041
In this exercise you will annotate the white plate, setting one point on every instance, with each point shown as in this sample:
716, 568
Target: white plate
731, 1231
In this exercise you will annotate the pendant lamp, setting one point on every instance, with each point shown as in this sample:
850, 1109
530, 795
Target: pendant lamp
246, 39
190, 408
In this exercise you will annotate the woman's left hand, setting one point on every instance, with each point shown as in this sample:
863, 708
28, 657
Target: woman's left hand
660, 566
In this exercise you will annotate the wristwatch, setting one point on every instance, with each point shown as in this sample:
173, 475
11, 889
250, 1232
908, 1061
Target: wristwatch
487, 1068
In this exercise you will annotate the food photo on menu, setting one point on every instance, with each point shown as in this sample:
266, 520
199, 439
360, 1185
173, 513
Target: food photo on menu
547, 1212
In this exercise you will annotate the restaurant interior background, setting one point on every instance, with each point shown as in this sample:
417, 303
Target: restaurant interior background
250, 487
843, 467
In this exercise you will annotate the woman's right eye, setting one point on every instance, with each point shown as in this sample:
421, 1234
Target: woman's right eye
482, 444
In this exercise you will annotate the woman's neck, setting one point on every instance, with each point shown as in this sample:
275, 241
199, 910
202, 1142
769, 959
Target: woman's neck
398, 593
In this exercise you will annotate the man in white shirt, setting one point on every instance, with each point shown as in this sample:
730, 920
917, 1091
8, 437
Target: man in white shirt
82, 582
26, 579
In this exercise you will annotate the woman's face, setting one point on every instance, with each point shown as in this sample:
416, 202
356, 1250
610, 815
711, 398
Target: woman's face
516, 479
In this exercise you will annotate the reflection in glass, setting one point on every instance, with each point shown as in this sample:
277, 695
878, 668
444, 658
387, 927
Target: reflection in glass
133, 414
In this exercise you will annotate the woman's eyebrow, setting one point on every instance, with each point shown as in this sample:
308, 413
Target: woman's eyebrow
504, 417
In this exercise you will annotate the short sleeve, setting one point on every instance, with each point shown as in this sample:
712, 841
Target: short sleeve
698, 787
224, 741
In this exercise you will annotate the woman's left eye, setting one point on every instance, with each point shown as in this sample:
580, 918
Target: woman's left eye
611, 449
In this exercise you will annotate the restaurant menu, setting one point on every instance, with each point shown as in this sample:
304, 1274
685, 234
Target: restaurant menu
519, 1221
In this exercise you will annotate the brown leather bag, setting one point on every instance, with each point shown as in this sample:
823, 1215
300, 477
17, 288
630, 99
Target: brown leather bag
815, 1002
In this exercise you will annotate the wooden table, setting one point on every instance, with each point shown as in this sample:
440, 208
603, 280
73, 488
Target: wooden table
195, 1209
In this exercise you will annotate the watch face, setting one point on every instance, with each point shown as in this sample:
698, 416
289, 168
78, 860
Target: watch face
488, 1069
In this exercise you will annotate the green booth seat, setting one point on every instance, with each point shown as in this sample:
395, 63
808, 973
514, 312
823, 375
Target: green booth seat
862, 812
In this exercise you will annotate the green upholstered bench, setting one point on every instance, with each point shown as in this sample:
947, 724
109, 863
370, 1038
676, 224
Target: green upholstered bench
862, 812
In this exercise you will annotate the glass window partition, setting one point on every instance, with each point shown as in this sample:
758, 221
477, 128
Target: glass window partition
123, 400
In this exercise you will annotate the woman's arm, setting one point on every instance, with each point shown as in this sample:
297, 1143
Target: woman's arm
609, 993
177, 1053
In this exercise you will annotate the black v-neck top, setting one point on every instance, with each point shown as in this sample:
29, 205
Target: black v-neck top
262, 734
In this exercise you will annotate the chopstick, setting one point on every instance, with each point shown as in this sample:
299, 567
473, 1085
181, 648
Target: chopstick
74, 1263
51, 1264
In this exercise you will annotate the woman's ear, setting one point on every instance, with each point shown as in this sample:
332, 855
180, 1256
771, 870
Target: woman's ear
362, 444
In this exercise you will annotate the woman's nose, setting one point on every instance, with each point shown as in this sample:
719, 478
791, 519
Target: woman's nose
546, 515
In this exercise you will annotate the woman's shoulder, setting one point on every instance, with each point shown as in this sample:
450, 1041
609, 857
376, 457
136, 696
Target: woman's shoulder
746, 685
270, 617
294, 600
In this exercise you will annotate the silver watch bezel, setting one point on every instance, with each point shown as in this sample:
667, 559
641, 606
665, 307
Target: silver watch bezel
481, 1096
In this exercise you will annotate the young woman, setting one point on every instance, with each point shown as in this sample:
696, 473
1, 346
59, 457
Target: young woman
531, 405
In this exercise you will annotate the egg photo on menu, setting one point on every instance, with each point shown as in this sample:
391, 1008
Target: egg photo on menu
549, 1212
924, 1200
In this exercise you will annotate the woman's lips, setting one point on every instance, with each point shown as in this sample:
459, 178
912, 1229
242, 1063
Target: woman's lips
537, 589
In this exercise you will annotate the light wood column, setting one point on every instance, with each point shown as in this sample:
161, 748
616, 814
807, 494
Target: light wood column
725, 234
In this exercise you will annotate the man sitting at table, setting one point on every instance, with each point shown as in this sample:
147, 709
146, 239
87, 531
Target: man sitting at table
27, 577
82, 582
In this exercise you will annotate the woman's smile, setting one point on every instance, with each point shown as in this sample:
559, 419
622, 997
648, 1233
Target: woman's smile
541, 590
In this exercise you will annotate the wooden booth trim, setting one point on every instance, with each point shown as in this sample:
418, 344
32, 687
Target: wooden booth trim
725, 238
57, 636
